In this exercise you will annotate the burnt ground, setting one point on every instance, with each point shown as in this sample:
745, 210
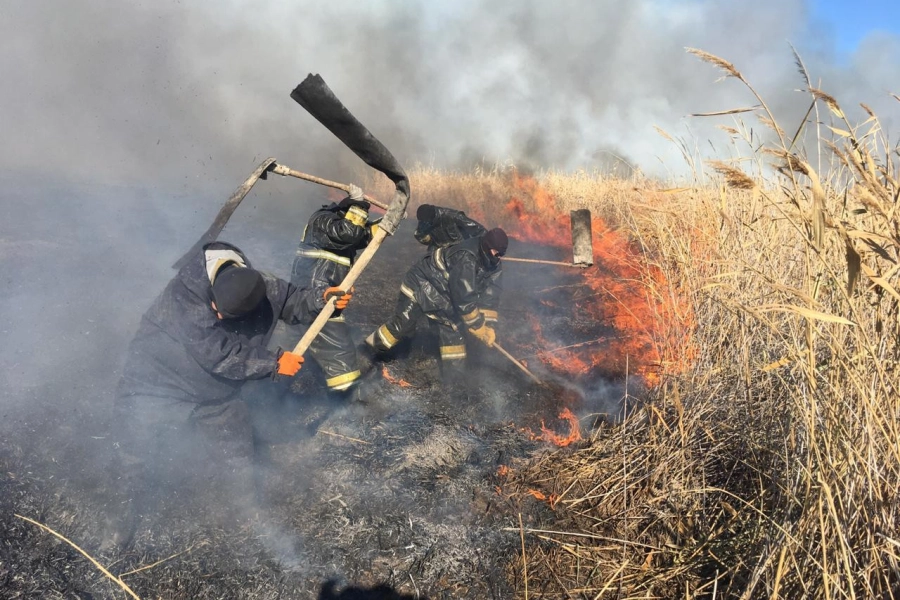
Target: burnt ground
399, 497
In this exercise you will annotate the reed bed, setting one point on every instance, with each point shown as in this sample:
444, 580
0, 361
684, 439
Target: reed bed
767, 465
770, 467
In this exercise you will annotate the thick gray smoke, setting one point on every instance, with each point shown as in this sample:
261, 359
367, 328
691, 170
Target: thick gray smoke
189, 93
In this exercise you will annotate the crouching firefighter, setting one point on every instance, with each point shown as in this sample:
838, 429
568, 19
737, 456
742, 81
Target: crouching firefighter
331, 240
458, 289
179, 400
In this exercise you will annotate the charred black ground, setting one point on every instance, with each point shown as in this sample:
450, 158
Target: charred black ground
397, 498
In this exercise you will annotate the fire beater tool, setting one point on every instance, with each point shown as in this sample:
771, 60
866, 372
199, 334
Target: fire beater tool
582, 243
283, 170
517, 363
265, 167
319, 101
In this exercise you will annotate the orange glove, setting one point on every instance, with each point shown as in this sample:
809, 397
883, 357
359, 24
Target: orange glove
485, 334
289, 363
343, 298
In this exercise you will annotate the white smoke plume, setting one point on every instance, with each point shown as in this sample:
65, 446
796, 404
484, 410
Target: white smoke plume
188, 93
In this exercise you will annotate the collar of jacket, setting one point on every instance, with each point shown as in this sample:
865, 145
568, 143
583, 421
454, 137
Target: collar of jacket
218, 258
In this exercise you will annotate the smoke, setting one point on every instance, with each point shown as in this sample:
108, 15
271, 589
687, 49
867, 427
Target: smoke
188, 93
126, 125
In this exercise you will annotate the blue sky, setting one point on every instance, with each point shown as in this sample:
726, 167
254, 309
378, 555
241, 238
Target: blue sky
851, 21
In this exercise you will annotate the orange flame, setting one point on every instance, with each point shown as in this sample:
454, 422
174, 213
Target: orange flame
548, 435
395, 380
552, 499
651, 323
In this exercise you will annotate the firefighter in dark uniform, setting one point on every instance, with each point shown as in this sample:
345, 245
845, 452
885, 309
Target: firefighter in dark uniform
333, 236
439, 226
457, 288
203, 337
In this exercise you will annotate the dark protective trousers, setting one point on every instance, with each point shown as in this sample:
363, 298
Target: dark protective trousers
335, 353
402, 324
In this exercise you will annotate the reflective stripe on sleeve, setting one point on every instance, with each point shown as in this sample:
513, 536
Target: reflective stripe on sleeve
325, 254
439, 262
472, 317
357, 216
489, 315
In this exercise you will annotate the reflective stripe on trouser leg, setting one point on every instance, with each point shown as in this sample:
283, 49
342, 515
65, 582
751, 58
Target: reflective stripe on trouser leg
453, 352
386, 338
400, 325
453, 344
334, 351
343, 382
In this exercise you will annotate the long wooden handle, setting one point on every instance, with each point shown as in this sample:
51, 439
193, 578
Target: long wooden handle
355, 271
517, 363
556, 263
283, 170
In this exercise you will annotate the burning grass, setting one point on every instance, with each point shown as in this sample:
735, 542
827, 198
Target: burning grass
767, 462
770, 467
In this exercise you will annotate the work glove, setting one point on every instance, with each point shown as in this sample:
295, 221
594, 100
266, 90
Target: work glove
342, 297
485, 333
355, 192
289, 363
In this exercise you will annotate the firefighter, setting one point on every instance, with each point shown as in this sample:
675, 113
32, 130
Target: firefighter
458, 289
331, 240
439, 226
200, 341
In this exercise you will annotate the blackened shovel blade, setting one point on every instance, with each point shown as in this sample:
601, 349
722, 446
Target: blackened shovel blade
316, 97
582, 238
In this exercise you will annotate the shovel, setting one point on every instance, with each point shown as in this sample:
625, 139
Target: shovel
582, 243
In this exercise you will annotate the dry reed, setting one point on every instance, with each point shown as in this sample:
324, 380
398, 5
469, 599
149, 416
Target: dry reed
770, 467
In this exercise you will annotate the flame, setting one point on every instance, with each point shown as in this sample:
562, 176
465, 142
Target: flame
502, 471
548, 435
552, 499
395, 380
649, 320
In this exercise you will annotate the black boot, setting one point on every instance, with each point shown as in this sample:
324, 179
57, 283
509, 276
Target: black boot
372, 388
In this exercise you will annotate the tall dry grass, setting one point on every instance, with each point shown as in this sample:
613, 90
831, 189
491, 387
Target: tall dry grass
771, 468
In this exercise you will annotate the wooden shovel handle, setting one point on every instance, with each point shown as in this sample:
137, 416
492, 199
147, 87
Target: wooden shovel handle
517, 363
283, 170
346, 284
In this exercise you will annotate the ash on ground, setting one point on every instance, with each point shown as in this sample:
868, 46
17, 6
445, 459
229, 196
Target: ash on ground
400, 497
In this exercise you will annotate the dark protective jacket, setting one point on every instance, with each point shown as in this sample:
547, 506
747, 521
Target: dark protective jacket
448, 227
330, 242
455, 284
184, 352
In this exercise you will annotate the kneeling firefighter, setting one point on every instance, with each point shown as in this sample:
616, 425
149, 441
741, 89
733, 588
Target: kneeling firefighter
457, 288
331, 240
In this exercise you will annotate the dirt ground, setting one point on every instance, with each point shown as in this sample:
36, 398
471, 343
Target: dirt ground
400, 497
